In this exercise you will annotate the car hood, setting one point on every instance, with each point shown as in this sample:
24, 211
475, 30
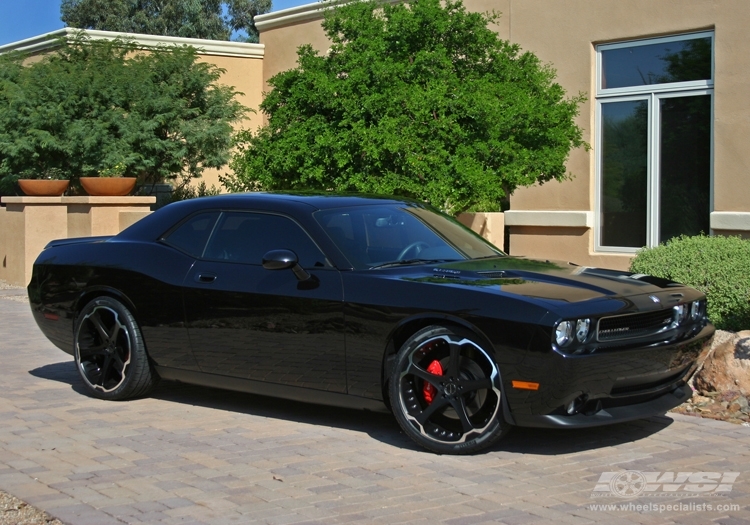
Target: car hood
550, 282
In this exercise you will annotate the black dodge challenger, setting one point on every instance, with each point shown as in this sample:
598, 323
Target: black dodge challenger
366, 302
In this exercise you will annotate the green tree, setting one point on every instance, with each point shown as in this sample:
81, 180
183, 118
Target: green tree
421, 100
210, 19
92, 105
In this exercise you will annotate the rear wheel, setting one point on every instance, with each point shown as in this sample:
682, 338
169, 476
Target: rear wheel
109, 351
445, 392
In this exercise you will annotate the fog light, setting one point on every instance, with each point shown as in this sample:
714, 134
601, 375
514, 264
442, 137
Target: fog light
563, 332
582, 329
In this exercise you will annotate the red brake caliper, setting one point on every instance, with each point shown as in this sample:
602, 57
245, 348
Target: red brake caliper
428, 390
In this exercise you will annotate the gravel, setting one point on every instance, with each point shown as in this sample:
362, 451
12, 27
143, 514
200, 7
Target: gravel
6, 286
13, 511
13, 293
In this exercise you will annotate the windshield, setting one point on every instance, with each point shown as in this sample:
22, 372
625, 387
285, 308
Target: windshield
380, 235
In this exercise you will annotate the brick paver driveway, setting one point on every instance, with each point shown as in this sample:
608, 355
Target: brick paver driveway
198, 455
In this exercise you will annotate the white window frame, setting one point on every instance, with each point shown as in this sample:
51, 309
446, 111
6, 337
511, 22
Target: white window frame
652, 93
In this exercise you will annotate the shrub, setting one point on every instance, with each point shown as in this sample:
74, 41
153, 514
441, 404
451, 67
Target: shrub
717, 266
100, 107
420, 99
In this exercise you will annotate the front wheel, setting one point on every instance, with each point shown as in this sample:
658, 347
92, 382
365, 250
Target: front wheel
109, 351
445, 392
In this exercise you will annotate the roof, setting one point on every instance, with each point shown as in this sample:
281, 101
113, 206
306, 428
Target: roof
284, 202
48, 41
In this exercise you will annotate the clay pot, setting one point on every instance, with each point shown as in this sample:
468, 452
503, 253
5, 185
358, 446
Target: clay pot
43, 187
108, 186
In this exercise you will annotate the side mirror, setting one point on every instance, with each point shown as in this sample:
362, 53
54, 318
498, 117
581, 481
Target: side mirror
282, 260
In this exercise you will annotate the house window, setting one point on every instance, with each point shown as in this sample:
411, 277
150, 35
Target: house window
654, 119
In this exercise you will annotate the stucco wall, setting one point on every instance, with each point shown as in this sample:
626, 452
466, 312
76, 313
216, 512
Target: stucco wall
571, 29
282, 44
245, 74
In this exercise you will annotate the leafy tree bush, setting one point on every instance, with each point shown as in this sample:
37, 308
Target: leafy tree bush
421, 100
717, 266
210, 19
95, 105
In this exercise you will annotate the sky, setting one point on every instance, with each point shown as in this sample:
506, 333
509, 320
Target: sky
21, 19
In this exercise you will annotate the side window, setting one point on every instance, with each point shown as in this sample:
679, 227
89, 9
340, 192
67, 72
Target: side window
244, 237
191, 236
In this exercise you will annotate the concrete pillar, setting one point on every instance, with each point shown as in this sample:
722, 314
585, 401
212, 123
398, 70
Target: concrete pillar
30, 223
27, 224
490, 225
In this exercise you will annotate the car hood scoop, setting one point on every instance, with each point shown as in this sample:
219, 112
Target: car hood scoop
550, 280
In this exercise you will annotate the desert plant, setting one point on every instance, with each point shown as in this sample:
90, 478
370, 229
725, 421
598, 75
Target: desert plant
717, 266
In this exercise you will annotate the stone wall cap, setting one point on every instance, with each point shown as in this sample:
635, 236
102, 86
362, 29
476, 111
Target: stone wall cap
122, 201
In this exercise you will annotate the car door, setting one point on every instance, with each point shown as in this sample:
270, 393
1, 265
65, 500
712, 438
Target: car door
249, 322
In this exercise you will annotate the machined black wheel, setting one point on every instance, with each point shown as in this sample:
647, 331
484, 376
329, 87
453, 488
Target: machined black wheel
445, 392
109, 351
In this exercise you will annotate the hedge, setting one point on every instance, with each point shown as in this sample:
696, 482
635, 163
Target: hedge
717, 266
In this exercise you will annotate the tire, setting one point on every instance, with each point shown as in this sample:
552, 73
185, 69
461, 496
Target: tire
109, 352
456, 410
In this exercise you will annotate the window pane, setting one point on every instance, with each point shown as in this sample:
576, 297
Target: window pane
191, 236
677, 61
685, 166
246, 237
624, 173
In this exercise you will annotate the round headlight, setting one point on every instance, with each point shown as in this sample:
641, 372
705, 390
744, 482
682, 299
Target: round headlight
582, 329
563, 332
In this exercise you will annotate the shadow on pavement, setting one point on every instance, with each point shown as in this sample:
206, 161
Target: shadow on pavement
380, 426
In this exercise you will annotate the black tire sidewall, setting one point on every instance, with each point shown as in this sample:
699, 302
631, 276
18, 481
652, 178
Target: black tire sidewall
138, 357
497, 428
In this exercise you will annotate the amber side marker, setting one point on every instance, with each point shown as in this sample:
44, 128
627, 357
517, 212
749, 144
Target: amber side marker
525, 385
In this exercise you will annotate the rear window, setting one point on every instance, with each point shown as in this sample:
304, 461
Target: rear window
192, 235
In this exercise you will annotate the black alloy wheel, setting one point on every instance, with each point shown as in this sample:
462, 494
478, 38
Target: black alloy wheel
109, 351
445, 392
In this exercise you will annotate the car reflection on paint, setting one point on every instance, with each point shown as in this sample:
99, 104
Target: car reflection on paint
367, 302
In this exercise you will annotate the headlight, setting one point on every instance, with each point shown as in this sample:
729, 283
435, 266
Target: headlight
582, 329
563, 333
680, 313
696, 310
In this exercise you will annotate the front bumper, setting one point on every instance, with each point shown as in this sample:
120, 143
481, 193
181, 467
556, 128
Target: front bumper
599, 389
608, 416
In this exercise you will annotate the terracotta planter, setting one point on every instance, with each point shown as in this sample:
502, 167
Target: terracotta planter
43, 187
108, 186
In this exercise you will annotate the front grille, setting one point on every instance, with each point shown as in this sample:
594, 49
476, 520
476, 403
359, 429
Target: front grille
634, 325
493, 274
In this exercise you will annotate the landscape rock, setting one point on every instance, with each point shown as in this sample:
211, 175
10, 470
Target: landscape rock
726, 367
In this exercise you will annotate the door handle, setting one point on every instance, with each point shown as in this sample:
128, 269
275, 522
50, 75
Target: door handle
205, 277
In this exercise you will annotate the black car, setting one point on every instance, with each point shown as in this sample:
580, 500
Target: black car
367, 302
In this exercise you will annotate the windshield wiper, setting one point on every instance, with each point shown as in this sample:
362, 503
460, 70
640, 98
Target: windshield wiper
408, 262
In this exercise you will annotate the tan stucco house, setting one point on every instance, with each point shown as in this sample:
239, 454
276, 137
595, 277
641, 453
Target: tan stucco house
667, 115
